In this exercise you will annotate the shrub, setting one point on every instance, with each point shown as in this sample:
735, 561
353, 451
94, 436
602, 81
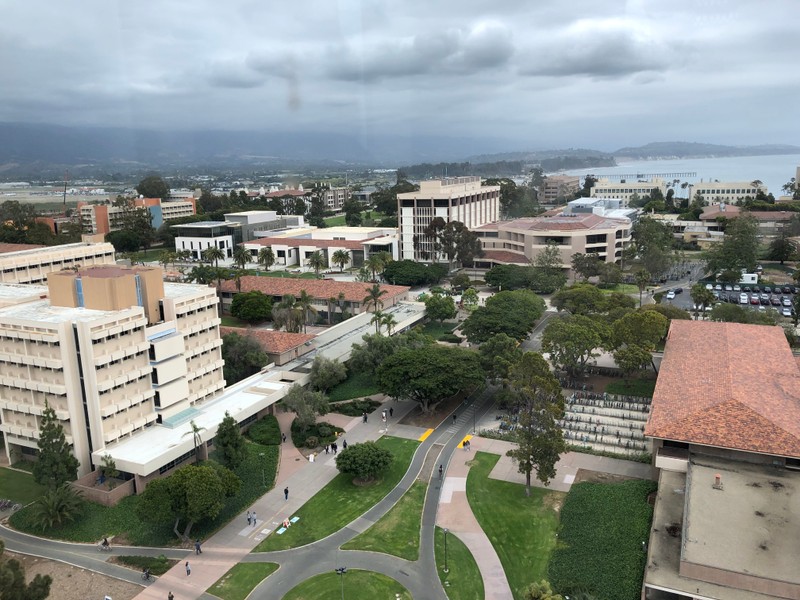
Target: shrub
299, 437
355, 408
324, 431
312, 442
450, 338
158, 565
265, 431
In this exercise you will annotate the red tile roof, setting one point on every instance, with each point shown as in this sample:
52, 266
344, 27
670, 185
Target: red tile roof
283, 193
273, 342
297, 242
5, 248
728, 385
318, 288
504, 257
712, 212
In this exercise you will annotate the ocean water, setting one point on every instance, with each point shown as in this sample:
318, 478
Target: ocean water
774, 171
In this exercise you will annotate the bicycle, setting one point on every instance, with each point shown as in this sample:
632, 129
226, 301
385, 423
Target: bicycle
146, 576
103, 548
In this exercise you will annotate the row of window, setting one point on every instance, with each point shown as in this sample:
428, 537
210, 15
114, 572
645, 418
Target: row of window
117, 336
58, 264
126, 384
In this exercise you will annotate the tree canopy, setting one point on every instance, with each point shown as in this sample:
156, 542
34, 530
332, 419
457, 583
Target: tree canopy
305, 404
153, 186
364, 461
411, 273
738, 251
230, 441
439, 307
243, 357
498, 354
13, 585
55, 464
326, 373
375, 349
430, 374
571, 342
513, 313
252, 307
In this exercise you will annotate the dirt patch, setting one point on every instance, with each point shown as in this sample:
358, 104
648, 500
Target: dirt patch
431, 420
74, 583
555, 501
599, 477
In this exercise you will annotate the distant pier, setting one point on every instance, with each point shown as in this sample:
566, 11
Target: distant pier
637, 176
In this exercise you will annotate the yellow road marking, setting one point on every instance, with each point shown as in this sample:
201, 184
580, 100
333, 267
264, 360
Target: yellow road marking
425, 435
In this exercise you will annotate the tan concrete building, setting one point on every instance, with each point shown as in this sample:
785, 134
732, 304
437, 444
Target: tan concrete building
559, 188
113, 350
622, 190
456, 199
714, 192
32, 265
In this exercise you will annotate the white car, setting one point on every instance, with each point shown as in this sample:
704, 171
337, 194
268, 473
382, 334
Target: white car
737, 287
786, 311
744, 298
709, 286
671, 295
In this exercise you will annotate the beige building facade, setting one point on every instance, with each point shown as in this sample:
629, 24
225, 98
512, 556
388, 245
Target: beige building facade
33, 266
726, 191
113, 350
559, 188
617, 190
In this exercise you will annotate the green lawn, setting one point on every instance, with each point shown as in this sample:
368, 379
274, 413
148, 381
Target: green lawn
367, 215
600, 539
97, 521
522, 529
309, 275
229, 321
357, 585
242, 579
341, 502
19, 487
632, 387
357, 385
437, 330
621, 288
463, 581
397, 532
158, 565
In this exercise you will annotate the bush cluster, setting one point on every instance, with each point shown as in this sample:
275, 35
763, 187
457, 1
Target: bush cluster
317, 434
451, 338
265, 431
356, 408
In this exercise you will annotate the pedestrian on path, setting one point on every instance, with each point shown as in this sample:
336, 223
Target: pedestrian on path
254, 518
283, 437
441, 470
170, 596
364, 416
286, 493
455, 416
327, 447
391, 411
344, 445
197, 549
334, 447
469, 445
188, 569
249, 518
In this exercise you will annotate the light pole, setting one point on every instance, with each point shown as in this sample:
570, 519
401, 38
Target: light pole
263, 472
446, 531
340, 571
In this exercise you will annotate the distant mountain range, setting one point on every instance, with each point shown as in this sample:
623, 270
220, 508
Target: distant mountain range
33, 151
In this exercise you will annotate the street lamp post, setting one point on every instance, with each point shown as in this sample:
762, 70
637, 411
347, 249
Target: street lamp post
446, 531
340, 571
263, 472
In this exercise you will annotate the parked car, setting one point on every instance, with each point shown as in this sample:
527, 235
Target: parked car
786, 312
787, 289
764, 296
728, 287
786, 301
737, 287
754, 299
766, 289
709, 286
670, 294
775, 301
743, 298
678, 290
718, 287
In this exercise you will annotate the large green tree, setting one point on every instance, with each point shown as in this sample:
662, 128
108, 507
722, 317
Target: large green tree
243, 357
581, 299
439, 307
654, 243
153, 186
738, 251
56, 464
306, 405
498, 354
326, 373
230, 442
571, 342
535, 395
409, 272
13, 584
429, 375
253, 307
513, 313
375, 349
548, 275
364, 461
781, 248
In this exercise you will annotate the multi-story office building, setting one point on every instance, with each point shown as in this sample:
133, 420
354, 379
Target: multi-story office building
32, 264
106, 217
559, 188
622, 190
456, 199
112, 350
334, 198
715, 192
259, 223
197, 237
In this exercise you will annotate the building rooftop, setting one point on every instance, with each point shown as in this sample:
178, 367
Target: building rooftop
317, 288
178, 290
505, 257
43, 312
563, 223
713, 390
6, 248
273, 342
204, 224
296, 242
35, 249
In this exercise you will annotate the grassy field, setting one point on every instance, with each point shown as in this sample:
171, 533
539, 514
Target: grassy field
242, 579
603, 526
632, 387
356, 585
97, 521
522, 529
357, 385
19, 487
229, 321
367, 215
340, 502
463, 580
158, 565
621, 288
437, 330
397, 532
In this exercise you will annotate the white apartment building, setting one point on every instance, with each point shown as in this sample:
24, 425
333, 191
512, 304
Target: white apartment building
559, 187
715, 192
197, 237
334, 198
621, 190
455, 199
33, 265
113, 350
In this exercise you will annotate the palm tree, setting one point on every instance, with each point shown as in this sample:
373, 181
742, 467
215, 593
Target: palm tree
305, 302
373, 298
241, 256
266, 257
195, 433
341, 258
377, 262
389, 322
331, 302
237, 277
213, 254
641, 278
316, 261
288, 314
340, 302
377, 319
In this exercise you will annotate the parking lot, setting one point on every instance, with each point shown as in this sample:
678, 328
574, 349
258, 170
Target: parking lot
755, 297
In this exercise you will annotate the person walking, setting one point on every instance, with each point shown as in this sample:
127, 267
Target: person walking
170, 596
197, 549
455, 416
327, 448
249, 518
188, 569
441, 471
254, 518
344, 445
286, 493
391, 411
283, 437
334, 447
364, 416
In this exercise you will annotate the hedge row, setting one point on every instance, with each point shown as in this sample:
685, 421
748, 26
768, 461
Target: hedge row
266, 431
600, 540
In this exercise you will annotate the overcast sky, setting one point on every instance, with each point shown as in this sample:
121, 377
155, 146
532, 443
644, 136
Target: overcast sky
538, 73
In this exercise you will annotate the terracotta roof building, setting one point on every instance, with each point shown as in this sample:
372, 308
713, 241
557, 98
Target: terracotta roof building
322, 290
725, 423
281, 346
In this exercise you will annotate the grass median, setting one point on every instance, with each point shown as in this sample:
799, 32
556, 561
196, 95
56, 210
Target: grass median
463, 579
341, 502
242, 579
397, 532
18, 486
521, 528
353, 585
